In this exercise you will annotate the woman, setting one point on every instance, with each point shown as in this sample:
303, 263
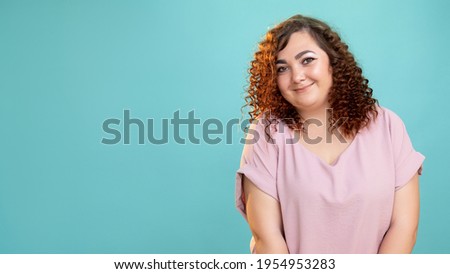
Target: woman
325, 169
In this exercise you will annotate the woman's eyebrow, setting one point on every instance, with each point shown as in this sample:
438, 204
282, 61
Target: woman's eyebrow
298, 56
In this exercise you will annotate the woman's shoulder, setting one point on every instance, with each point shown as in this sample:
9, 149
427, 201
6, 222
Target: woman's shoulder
266, 119
388, 116
270, 125
386, 123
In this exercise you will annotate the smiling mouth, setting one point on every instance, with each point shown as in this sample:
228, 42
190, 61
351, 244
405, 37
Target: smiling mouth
304, 88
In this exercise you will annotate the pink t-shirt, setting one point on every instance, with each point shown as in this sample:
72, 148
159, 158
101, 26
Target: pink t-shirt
344, 207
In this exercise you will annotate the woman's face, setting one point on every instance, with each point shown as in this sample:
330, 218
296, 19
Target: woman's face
304, 74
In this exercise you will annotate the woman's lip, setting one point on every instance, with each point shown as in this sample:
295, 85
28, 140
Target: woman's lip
302, 89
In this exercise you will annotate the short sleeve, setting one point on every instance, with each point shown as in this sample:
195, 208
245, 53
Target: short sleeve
258, 163
407, 160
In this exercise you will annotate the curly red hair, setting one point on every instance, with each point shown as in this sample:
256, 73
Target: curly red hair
350, 95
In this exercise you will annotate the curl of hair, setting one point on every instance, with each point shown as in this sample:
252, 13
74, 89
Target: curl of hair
350, 95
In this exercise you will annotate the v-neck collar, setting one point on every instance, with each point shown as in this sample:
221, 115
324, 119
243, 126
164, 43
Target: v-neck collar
335, 161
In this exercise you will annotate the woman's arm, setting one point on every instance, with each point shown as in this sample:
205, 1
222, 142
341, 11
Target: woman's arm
264, 218
401, 235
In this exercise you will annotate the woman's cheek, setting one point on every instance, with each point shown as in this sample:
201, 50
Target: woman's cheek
283, 83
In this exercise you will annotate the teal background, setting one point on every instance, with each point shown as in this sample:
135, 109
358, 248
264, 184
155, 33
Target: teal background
66, 66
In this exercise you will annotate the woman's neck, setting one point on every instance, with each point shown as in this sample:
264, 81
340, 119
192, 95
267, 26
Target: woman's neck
315, 116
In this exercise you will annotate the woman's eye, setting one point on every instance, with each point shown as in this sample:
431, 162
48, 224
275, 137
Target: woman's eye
281, 69
308, 60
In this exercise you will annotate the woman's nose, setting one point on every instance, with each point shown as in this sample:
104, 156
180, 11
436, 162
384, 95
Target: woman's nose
298, 75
